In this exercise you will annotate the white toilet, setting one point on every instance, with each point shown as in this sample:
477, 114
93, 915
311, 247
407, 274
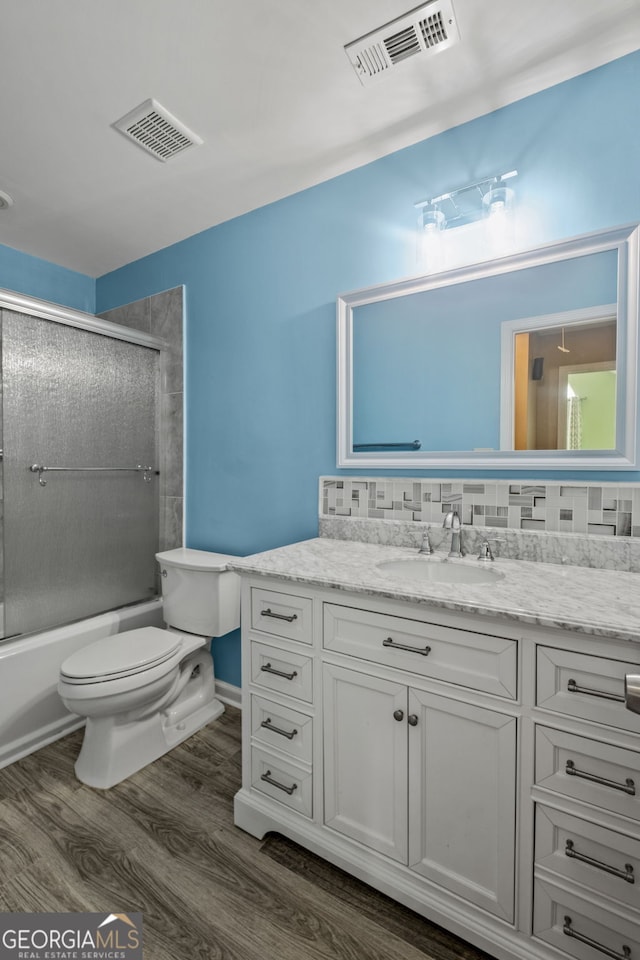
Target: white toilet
146, 690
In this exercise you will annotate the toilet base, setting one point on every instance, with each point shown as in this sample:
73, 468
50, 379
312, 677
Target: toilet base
109, 756
114, 748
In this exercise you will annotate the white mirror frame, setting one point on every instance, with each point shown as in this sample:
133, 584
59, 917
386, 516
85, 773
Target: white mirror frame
623, 239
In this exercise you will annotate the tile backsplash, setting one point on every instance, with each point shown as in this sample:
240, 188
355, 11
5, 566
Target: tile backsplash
599, 509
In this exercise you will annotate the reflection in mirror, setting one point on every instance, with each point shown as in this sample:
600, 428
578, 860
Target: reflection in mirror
564, 392
486, 365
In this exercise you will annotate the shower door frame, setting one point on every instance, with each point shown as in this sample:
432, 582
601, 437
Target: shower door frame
76, 318
43, 309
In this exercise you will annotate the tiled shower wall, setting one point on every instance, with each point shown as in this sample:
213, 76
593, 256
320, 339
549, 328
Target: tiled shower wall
161, 316
599, 509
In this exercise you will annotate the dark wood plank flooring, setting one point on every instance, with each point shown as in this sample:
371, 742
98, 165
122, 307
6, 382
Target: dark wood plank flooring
163, 843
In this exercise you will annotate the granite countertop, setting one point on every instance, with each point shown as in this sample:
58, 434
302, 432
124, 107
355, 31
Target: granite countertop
603, 603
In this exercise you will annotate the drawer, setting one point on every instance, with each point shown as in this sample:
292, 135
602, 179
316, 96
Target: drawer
605, 861
588, 770
288, 672
584, 686
282, 781
280, 727
581, 928
473, 660
282, 614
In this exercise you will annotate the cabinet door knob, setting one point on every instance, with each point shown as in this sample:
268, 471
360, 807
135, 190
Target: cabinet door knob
413, 720
398, 714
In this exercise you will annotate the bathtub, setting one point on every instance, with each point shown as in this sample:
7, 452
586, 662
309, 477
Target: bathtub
31, 712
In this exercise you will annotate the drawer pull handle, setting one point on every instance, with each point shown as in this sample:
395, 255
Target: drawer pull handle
389, 642
289, 734
626, 874
570, 932
627, 787
573, 687
281, 786
278, 616
267, 668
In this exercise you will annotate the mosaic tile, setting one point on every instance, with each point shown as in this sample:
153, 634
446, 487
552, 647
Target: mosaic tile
623, 525
601, 529
566, 491
611, 510
595, 498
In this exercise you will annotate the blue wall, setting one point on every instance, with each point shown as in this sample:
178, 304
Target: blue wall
261, 291
34, 277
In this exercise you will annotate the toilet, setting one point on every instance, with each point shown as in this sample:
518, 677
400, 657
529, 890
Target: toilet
144, 691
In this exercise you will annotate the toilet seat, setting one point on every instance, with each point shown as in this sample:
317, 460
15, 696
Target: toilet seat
123, 655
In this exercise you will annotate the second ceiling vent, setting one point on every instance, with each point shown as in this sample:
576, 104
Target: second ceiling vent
156, 130
424, 30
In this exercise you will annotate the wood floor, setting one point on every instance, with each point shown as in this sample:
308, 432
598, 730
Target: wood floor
163, 843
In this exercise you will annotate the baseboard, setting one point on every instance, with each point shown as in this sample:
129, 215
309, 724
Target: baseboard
228, 693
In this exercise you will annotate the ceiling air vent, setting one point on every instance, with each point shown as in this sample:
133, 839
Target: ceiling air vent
157, 131
425, 30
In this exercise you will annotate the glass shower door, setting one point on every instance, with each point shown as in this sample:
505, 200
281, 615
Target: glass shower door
77, 541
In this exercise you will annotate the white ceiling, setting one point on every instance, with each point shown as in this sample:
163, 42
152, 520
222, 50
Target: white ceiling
265, 83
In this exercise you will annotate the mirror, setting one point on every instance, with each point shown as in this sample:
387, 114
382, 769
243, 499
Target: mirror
525, 362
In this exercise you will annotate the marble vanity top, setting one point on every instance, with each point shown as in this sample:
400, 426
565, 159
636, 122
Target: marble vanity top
604, 603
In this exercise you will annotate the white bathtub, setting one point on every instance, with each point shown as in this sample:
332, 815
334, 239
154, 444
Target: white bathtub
31, 712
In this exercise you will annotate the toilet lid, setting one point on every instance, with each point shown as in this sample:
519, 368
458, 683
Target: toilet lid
121, 655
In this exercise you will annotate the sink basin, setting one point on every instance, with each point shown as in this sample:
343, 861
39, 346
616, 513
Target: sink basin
438, 571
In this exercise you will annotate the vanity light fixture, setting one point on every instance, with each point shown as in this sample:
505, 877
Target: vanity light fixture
433, 219
483, 198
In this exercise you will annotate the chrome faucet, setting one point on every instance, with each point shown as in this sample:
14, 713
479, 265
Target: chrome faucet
425, 546
452, 522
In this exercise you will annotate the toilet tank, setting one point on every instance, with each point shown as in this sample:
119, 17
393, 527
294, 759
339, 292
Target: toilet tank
199, 594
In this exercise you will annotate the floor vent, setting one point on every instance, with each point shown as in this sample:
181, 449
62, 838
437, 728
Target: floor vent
425, 30
157, 131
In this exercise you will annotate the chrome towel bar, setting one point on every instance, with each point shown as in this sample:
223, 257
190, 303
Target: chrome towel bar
409, 445
147, 472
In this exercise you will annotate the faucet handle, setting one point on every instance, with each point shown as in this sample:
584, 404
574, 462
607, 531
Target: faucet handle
486, 552
426, 546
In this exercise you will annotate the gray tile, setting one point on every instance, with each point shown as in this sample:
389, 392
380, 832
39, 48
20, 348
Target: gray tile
171, 512
171, 446
166, 314
135, 315
171, 371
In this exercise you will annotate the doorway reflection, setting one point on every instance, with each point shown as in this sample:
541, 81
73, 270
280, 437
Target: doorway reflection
565, 387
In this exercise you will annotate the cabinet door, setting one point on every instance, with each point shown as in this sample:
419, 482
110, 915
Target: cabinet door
365, 760
462, 793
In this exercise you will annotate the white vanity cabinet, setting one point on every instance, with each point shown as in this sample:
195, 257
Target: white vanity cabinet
586, 788
480, 770
423, 778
